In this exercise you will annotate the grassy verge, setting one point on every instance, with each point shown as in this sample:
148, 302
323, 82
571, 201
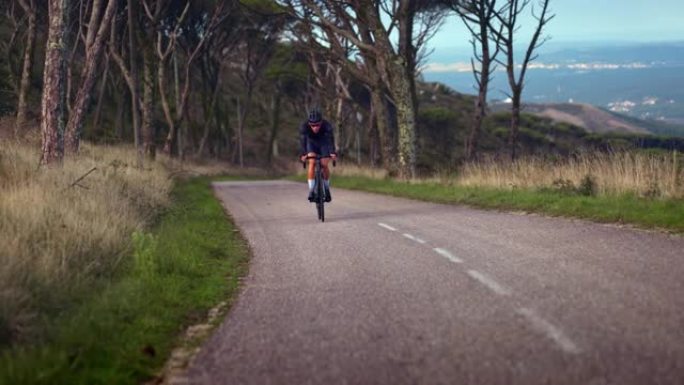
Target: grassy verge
648, 213
124, 330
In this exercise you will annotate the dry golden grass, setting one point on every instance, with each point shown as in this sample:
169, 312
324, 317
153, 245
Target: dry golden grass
197, 167
653, 175
54, 236
350, 169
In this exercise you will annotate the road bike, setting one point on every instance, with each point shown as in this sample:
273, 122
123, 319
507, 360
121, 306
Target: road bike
319, 186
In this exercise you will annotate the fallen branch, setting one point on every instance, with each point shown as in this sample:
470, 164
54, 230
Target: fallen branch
75, 183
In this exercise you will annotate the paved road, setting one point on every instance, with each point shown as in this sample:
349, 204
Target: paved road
394, 291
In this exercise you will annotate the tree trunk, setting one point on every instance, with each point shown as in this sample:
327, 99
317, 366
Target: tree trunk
481, 106
238, 143
161, 83
101, 95
406, 120
373, 137
473, 136
209, 113
177, 95
275, 122
223, 123
149, 146
515, 124
25, 84
243, 112
388, 148
172, 144
484, 16
133, 51
480, 113
93, 53
54, 92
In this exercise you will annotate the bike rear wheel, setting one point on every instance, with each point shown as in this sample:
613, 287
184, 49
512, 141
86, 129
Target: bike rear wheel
320, 192
321, 201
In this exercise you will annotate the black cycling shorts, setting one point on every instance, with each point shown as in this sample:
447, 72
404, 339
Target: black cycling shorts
321, 148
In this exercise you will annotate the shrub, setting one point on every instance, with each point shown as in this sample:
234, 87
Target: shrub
564, 186
587, 186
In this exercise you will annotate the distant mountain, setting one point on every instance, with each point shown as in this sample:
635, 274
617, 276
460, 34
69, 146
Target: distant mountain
669, 53
445, 117
588, 117
613, 52
644, 81
596, 120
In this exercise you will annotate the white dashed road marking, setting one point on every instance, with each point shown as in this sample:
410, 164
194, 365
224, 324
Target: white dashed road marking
446, 254
411, 237
537, 321
489, 282
551, 331
388, 227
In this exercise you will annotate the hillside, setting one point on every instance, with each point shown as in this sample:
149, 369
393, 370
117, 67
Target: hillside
590, 118
444, 118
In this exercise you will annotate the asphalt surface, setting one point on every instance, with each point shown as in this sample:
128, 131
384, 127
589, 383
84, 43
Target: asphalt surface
394, 291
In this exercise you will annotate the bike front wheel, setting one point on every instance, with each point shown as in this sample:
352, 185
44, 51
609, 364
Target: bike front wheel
320, 204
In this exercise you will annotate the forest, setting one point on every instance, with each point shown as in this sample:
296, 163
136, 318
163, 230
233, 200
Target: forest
232, 80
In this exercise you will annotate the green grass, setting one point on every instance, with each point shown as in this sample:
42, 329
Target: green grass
648, 213
124, 330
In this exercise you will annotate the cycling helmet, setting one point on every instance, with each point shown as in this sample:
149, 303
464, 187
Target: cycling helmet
315, 116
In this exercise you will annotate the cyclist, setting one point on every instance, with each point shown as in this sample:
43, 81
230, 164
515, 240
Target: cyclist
317, 138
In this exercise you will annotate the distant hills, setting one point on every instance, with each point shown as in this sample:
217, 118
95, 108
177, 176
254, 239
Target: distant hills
596, 120
644, 81
546, 129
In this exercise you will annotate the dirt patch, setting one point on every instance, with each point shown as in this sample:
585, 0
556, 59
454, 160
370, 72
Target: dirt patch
561, 116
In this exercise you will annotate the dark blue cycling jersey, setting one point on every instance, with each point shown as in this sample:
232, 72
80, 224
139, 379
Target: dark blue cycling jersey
321, 143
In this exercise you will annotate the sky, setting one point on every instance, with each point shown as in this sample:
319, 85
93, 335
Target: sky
593, 21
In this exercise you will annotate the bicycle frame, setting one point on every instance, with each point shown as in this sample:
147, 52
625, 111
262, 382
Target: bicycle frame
318, 185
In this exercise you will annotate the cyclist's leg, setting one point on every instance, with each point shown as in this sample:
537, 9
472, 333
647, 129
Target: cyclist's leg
310, 173
312, 148
326, 169
325, 151
311, 166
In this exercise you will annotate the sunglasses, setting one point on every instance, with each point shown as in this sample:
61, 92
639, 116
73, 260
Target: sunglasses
314, 124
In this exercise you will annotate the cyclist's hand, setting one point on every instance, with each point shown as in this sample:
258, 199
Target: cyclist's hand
303, 158
333, 156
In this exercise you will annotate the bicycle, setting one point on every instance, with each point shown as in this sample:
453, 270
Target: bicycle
319, 186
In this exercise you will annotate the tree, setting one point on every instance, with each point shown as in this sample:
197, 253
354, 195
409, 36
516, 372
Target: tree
370, 26
215, 61
508, 17
479, 17
193, 38
54, 92
286, 75
98, 28
129, 72
324, 46
263, 24
22, 105
10, 51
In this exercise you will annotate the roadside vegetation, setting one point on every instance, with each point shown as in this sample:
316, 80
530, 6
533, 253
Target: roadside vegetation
643, 174
57, 236
644, 189
100, 277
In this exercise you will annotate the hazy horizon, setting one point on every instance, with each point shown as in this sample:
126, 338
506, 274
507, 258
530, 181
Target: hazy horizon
574, 44
590, 21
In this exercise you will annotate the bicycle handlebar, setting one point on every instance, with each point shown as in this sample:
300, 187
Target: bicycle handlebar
318, 157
